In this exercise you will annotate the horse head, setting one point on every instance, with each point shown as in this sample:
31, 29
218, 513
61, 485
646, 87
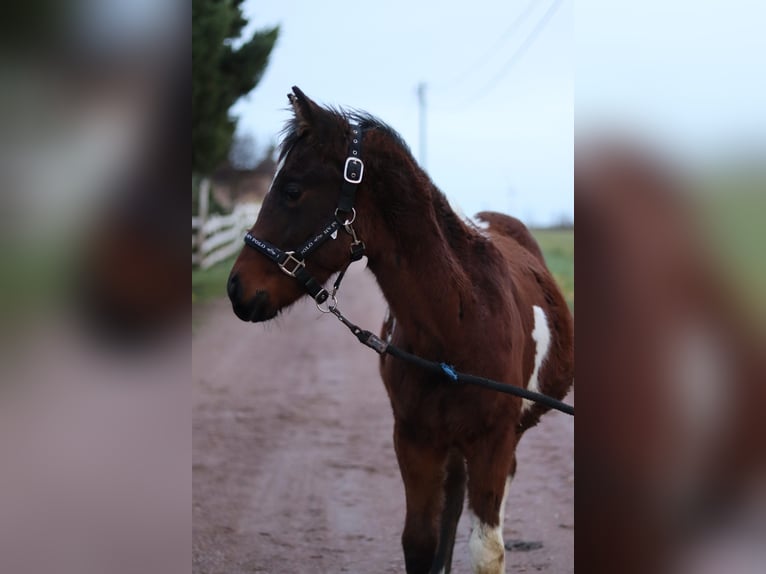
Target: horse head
303, 213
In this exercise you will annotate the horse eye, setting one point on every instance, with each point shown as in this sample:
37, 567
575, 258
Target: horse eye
293, 192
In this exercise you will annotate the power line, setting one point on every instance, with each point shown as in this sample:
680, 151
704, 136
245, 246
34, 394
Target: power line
521, 50
486, 55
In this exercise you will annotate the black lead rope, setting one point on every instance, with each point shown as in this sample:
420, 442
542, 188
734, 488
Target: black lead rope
380, 346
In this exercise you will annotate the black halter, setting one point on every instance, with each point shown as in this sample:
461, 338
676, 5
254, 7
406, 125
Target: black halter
293, 263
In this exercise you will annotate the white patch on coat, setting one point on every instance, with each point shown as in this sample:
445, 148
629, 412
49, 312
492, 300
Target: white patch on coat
542, 337
481, 226
280, 165
390, 331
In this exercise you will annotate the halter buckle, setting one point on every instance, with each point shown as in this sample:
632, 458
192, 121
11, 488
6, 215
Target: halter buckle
353, 170
296, 263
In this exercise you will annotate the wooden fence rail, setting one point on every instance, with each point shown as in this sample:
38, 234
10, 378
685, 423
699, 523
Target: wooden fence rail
216, 237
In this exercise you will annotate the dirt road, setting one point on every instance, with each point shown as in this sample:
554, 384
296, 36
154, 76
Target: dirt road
294, 468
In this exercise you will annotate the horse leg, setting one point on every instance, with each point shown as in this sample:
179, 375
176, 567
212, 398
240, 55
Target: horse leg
423, 472
490, 472
454, 495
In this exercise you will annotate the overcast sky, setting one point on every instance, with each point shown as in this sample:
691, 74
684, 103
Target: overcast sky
501, 82
688, 74
499, 88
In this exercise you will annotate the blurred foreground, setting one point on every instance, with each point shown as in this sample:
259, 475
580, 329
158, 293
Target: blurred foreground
94, 360
671, 456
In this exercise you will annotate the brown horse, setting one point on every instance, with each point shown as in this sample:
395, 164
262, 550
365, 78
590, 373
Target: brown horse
477, 296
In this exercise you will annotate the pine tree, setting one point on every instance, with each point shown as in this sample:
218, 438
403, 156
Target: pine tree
221, 75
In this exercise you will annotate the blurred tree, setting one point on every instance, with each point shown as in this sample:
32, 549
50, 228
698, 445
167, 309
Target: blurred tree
221, 74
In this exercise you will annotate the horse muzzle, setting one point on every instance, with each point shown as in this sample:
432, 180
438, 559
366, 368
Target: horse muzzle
255, 309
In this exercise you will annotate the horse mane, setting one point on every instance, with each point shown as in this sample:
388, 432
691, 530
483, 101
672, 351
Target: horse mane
368, 122
457, 232
342, 117
450, 222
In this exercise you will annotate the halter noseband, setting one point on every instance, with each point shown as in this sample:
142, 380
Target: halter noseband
293, 263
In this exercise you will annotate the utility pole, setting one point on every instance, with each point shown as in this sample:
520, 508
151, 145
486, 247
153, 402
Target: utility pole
422, 142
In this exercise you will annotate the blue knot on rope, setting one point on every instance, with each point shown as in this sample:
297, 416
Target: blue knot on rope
449, 370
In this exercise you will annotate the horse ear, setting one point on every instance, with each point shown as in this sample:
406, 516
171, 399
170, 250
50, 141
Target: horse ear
304, 108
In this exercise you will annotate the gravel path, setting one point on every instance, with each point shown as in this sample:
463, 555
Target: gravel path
293, 463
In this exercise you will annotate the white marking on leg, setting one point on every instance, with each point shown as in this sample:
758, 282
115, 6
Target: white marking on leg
542, 337
486, 547
486, 544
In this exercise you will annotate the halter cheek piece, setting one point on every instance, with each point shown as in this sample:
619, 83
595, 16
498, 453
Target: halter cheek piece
293, 263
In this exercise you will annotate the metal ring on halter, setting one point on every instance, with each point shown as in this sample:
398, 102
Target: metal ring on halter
348, 221
330, 306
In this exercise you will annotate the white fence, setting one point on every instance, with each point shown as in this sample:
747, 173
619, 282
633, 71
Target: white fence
217, 237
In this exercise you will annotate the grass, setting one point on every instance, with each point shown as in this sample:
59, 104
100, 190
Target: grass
558, 248
733, 233
211, 283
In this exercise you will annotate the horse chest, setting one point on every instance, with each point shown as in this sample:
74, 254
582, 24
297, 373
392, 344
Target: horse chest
436, 409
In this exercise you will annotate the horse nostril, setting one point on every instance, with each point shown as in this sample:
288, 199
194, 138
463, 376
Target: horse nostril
232, 287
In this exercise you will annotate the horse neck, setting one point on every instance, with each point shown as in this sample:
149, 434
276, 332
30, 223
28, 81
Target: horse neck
417, 249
